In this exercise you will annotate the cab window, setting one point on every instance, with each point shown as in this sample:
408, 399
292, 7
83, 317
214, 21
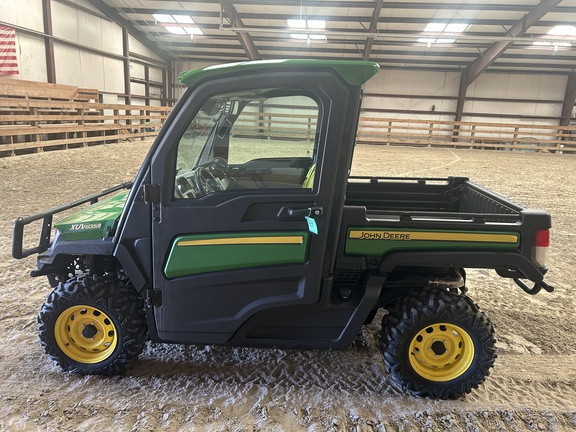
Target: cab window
257, 141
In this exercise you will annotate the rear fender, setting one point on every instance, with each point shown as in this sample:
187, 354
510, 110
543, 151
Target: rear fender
506, 264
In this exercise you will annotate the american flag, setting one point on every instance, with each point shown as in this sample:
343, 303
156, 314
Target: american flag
8, 60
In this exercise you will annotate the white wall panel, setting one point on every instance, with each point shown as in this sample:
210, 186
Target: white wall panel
155, 74
111, 37
414, 82
90, 30
24, 13
68, 64
92, 70
138, 89
518, 86
138, 47
497, 86
31, 57
137, 70
113, 75
65, 22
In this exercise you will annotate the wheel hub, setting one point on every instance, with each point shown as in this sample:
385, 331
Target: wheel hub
85, 334
89, 331
441, 352
439, 348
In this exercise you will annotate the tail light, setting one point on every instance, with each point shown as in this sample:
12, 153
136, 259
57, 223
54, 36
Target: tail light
541, 246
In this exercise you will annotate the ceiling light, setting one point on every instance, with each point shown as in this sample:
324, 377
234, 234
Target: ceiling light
559, 30
164, 18
442, 28
456, 28
298, 24
170, 22
294, 23
175, 30
563, 30
306, 24
435, 27
316, 24
183, 19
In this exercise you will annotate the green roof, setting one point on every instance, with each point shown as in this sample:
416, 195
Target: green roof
353, 72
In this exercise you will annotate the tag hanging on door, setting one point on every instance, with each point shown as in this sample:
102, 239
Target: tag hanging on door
312, 227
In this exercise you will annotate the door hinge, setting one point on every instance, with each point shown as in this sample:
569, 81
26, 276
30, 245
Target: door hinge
151, 193
153, 298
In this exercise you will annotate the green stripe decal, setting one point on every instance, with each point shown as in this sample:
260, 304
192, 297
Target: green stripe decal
204, 253
375, 241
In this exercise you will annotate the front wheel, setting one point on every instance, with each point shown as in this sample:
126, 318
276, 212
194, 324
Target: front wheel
93, 326
437, 344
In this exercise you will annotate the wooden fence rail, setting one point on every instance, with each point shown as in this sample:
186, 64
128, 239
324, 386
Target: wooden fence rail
39, 116
478, 135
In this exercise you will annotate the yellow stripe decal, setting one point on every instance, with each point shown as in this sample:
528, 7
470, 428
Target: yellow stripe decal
433, 236
295, 240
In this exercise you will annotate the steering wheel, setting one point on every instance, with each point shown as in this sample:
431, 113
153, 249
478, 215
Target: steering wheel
218, 165
206, 182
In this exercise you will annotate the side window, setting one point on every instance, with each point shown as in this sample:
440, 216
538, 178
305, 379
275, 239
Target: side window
247, 142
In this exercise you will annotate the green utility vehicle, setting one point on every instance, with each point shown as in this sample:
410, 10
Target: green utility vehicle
244, 228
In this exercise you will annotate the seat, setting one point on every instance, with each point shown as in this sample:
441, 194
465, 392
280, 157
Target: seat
309, 179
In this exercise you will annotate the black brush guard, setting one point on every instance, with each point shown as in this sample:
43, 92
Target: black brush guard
19, 252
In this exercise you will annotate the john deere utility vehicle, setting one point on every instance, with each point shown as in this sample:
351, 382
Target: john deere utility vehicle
244, 228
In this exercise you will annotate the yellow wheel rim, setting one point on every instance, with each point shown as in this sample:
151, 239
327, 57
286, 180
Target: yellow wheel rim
441, 352
85, 334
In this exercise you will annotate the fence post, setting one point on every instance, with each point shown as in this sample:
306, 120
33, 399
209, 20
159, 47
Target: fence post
389, 132
80, 112
515, 137
472, 134
143, 125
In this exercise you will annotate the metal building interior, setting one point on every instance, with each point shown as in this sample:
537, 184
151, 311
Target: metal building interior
485, 89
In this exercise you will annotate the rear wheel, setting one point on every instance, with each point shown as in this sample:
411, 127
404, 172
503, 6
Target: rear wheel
93, 326
438, 344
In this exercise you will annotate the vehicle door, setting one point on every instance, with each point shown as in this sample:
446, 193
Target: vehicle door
246, 218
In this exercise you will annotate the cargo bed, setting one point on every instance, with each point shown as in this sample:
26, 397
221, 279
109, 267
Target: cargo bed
409, 198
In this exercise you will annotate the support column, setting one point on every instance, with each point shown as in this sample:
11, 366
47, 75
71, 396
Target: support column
126, 55
569, 100
48, 41
567, 107
147, 83
460, 104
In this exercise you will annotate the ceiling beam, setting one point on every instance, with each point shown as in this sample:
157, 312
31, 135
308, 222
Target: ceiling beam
408, 19
491, 54
372, 29
475, 69
392, 5
244, 38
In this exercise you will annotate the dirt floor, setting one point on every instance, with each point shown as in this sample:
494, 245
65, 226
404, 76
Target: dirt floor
531, 388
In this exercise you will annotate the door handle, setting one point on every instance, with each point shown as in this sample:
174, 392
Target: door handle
307, 211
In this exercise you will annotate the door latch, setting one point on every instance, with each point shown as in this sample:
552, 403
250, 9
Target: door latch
307, 211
